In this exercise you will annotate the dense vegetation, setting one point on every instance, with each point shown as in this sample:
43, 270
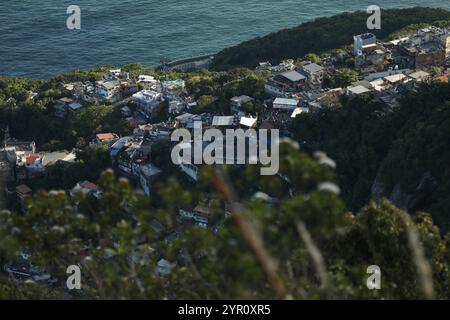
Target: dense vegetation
311, 243
306, 246
319, 248
402, 154
321, 35
32, 118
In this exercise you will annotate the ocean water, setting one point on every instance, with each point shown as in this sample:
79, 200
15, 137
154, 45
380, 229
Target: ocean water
35, 42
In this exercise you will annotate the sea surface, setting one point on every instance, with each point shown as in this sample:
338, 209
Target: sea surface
35, 42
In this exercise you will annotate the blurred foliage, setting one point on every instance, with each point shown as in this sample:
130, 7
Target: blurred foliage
117, 246
119, 239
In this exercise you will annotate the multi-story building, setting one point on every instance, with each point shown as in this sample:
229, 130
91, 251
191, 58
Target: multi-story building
363, 42
314, 75
428, 47
108, 89
284, 83
148, 100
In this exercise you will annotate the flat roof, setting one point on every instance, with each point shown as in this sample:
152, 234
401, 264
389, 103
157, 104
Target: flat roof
312, 67
248, 122
286, 101
358, 89
242, 98
223, 120
110, 84
395, 78
75, 106
293, 76
419, 75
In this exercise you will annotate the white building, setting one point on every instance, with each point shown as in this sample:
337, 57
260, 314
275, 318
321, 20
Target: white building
395, 79
248, 122
108, 89
314, 74
147, 99
147, 82
285, 104
362, 41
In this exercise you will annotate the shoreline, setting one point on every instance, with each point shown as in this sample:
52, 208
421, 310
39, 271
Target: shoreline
156, 66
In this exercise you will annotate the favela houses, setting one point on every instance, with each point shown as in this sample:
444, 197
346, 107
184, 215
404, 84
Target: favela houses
225, 151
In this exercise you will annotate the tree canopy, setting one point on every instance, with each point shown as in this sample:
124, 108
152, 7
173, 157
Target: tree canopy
317, 249
320, 35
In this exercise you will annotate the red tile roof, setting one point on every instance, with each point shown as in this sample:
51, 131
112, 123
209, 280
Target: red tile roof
89, 185
444, 78
32, 158
23, 189
105, 136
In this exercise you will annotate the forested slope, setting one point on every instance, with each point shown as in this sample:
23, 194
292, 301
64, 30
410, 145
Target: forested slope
320, 35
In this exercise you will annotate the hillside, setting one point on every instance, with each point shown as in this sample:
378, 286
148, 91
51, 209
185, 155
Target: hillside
320, 35
308, 233
401, 155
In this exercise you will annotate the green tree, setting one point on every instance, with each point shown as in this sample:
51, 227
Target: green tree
305, 246
314, 58
344, 77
